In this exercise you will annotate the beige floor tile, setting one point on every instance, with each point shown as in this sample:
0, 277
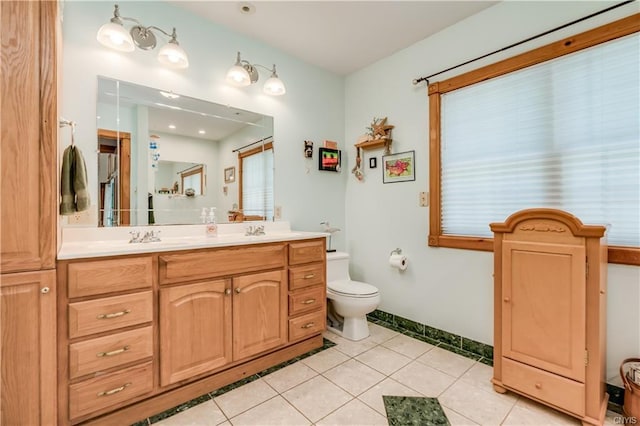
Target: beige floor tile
479, 375
408, 346
380, 334
317, 398
276, 411
483, 407
354, 413
384, 360
424, 379
373, 397
449, 362
351, 348
527, 412
354, 377
289, 376
203, 414
325, 360
456, 419
247, 396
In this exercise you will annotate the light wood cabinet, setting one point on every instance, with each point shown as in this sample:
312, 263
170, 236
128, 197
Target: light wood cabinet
28, 153
549, 296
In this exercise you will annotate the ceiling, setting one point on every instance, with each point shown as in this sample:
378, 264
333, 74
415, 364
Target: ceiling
339, 36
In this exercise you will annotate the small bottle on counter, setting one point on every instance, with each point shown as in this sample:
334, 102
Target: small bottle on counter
212, 226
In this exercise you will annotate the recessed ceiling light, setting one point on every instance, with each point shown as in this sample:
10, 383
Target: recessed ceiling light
172, 126
202, 132
246, 8
169, 95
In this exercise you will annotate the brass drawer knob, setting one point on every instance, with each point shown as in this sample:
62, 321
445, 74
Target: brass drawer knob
507, 300
538, 386
112, 353
238, 290
114, 315
309, 301
308, 325
112, 391
44, 290
227, 292
309, 276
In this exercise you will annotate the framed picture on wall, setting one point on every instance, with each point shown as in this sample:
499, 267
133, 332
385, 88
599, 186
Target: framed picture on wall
229, 175
398, 167
329, 159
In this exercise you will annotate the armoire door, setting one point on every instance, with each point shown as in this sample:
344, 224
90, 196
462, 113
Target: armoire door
543, 306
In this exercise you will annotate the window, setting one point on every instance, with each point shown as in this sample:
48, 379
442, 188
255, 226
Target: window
556, 127
256, 182
192, 179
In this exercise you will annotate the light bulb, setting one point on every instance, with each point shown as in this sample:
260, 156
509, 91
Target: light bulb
115, 36
274, 86
238, 76
172, 55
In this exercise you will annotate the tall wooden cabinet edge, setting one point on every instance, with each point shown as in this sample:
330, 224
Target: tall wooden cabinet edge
577, 254
29, 79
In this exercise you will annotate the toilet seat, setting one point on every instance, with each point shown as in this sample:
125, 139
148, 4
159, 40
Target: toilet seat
350, 288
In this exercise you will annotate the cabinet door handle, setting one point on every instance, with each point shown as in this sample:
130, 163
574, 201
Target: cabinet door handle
44, 290
309, 301
112, 353
112, 391
309, 276
114, 315
308, 325
507, 300
228, 292
238, 290
538, 386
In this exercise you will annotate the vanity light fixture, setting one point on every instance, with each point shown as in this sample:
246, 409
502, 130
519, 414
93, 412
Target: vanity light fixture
114, 35
244, 74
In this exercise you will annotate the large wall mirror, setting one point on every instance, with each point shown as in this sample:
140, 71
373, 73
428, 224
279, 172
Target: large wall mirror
163, 157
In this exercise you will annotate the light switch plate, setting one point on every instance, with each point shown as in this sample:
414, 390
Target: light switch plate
277, 212
424, 199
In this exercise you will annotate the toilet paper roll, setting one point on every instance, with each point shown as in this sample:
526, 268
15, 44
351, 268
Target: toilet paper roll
398, 261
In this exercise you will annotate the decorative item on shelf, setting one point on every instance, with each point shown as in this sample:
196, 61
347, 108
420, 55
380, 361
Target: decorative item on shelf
378, 134
329, 159
398, 167
114, 35
357, 171
308, 149
190, 192
244, 74
330, 230
153, 152
229, 175
330, 144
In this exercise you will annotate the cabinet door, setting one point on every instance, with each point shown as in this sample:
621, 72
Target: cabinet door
543, 300
195, 329
27, 348
259, 313
28, 125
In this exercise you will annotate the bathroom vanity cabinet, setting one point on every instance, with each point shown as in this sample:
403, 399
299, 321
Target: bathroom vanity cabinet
549, 301
139, 334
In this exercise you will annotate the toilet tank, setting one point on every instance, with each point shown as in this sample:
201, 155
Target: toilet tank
337, 266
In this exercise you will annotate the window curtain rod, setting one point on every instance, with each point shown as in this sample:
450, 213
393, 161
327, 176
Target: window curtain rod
421, 79
252, 143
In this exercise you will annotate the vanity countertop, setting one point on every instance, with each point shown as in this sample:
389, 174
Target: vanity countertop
80, 243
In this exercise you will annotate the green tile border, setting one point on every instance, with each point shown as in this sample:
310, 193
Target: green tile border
414, 411
469, 348
217, 392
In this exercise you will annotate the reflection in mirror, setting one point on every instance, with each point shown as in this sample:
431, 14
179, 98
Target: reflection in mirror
162, 158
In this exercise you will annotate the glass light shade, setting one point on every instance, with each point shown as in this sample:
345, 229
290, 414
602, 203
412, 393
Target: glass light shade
274, 86
115, 36
238, 76
172, 55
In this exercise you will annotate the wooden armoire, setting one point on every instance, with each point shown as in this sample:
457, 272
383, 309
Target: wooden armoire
550, 273
28, 220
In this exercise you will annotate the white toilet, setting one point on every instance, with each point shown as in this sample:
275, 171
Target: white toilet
349, 301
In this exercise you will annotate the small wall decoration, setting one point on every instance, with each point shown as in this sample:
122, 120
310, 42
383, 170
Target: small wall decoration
398, 167
329, 159
373, 162
308, 149
229, 175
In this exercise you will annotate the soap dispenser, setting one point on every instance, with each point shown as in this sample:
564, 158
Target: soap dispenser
212, 226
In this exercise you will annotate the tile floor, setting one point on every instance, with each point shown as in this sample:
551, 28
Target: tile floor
343, 385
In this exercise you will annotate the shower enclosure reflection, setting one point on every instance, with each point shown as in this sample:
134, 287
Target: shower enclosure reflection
162, 156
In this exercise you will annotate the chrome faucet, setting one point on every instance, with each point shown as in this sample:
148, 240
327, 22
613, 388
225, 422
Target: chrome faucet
253, 231
135, 237
148, 237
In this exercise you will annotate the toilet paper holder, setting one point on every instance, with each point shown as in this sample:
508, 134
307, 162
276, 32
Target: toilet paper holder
396, 251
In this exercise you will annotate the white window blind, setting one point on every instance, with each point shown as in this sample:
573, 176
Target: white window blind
257, 184
562, 134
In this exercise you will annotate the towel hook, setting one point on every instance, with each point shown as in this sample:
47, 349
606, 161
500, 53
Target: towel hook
63, 123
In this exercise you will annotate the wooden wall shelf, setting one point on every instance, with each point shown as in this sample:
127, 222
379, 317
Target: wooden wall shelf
375, 143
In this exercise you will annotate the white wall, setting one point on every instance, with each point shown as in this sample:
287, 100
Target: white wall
446, 288
312, 109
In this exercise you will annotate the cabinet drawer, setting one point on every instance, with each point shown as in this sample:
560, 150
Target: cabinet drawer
217, 263
545, 386
306, 276
109, 313
307, 300
108, 276
109, 351
306, 325
306, 252
105, 391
